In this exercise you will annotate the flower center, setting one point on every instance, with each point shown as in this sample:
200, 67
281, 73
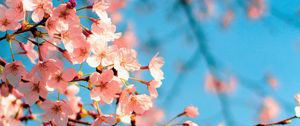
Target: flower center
58, 77
57, 109
36, 87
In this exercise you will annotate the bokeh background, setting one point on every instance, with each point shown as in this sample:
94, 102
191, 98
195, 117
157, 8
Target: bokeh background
260, 48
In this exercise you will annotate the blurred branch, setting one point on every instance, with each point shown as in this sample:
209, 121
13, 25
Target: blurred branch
282, 122
211, 63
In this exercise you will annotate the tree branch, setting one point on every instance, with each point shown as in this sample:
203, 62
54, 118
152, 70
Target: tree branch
282, 122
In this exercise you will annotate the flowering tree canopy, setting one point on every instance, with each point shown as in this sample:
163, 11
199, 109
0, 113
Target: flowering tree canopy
55, 41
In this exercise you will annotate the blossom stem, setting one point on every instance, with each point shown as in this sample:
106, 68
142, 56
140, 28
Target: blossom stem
32, 41
282, 122
80, 67
98, 108
83, 8
80, 79
83, 86
79, 122
144, 67
2, 62
58, 96
11, 51
141, 81
170, 121
57, 47
83, 26
24, 30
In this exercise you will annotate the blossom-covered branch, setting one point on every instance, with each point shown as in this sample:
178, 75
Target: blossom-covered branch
49, 35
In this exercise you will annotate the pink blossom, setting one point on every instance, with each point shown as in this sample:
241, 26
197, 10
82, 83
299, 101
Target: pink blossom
47, 50
66, 14
256, 9
105, 87
102, 55
13, 72
99, 8
75, 105
128, 40
8, 21
33, 89
10, 121
45, 69
150, 117
126, 61
152, 88
212, 84
30, 52
137, 103
103, 30
73, 100
9, 106
57, 112
4, 90
115, 5
155, 67
104, 119
81, 53
71, 91
191, 111
71, 38
270, 109
297, 108
16, 9
60, 79
55, 26
39, 8
189, 123
117, 18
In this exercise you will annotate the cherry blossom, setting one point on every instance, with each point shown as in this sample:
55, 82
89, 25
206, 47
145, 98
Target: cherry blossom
126, 61
152, 88
99, 8
33, 89
16, 9
59, 80
54, 34
191, 111
104, 119
297, 108
102, 55
270, 109
189, 123
128, 40
56, 112
212, 84
137, 103
8, 20
39, 8
103, 31
31, 53
155, 67
150, 117
105, 87
81, 53
9, 107
73, 100
13, 72
45, 69
65, 14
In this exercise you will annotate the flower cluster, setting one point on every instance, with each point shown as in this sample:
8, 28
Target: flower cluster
53, 34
